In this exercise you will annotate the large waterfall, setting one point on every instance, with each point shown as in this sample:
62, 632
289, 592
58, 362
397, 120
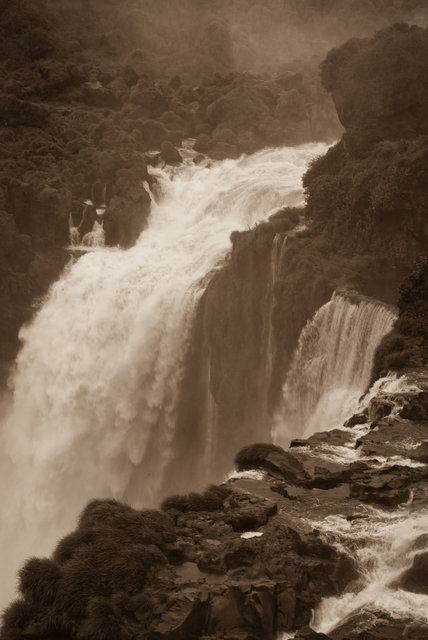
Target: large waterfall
331, 366
98, 376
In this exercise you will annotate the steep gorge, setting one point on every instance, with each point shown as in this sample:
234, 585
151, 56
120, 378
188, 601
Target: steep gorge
207, 377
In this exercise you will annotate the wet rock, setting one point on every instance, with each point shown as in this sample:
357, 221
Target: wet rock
280, 488
89, 216
421, 542
391, 438
415, 579
251, 517
335, 437
386, 486
272, 458
169, 153
298, 443
185, 618
415, 406
421, 453
380, 408
306, 633
329, 480
357, 418
199, 158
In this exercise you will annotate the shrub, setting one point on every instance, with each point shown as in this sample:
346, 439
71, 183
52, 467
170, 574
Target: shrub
71, 544
103, 621
15, 618
39, 580
211, 500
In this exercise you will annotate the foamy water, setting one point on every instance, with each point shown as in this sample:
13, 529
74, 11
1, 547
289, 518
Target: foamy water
381, 545
331, 366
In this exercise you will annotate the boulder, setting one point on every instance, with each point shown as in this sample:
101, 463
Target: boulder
415, 579
357, 418
169, 153
251, 517
388, 486
273, 459
421, 453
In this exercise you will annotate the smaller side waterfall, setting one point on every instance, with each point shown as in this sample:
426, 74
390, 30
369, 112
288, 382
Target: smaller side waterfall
331, 366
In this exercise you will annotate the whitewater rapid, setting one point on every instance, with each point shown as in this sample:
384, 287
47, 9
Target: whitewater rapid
97, 379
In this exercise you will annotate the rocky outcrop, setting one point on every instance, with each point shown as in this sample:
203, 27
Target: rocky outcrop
179, 574
416, 578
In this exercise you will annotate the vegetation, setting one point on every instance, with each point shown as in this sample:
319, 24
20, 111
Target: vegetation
406, 346
210, 500
95, 581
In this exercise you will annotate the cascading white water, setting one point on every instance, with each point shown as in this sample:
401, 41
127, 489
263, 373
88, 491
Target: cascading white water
331, 366
97, 379
382, 546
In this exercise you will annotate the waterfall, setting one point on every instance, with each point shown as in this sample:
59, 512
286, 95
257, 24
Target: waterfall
98, 377
331, 366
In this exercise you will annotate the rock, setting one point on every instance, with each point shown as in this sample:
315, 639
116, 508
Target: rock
387, 486
415, 406
335, 437
251, 517
280, 487
285, 607
421, 453
241, 555
199, 158
357, 418
298, 443
421, 542
391, 438
380, 407
415, 579
89, 216
329, 480
203, 143
185, 617
169, 153
272, 458
306, 633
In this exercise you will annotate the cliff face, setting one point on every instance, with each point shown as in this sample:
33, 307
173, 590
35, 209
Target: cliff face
366, 225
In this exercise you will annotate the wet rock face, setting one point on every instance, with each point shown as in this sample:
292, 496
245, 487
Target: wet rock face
416, 578
274, 460
389, 487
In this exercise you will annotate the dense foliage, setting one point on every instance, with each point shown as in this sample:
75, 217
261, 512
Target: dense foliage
406, 346
369, 191
94, 582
